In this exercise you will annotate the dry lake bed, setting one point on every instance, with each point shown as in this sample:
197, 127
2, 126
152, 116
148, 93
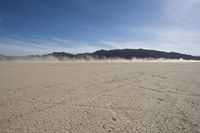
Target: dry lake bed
97, 97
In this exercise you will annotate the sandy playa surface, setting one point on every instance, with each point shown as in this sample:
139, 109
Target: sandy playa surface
96, 97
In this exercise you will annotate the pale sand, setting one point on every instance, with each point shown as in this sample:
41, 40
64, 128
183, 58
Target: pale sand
96, 97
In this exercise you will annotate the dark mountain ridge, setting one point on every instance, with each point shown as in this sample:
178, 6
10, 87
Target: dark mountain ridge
126, 54
111, 54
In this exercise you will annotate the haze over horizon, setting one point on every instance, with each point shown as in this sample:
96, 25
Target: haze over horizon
77, 26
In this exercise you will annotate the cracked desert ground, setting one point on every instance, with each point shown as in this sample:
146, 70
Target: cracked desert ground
97, 97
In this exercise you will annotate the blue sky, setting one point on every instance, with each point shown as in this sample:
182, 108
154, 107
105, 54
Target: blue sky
44, 26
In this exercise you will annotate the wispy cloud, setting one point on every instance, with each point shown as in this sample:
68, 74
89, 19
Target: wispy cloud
184, 12
162, 38
124, 44
20, 46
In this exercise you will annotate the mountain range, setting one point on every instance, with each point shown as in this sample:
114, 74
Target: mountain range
110, 54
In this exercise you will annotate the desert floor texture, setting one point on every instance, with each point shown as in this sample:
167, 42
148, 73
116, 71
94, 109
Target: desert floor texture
96, 97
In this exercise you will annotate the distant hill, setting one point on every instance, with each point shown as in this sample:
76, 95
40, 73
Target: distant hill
110, 54
126, 54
